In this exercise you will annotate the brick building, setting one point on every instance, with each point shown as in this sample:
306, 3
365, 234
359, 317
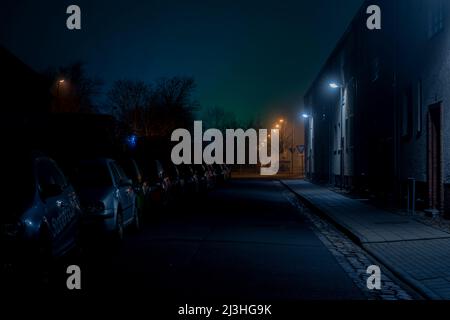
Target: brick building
381, 127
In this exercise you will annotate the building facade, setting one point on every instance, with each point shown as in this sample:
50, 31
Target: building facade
378, 110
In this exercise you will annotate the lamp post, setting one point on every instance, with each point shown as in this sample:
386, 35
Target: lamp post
58, 85
334, 85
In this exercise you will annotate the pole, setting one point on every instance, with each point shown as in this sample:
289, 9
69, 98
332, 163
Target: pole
292, 149
341, 107
330, 150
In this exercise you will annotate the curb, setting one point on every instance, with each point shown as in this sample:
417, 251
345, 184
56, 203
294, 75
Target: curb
413, 283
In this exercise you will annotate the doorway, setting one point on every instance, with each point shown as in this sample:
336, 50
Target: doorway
435, 185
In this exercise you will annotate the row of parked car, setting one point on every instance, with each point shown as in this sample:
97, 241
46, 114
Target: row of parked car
50, 206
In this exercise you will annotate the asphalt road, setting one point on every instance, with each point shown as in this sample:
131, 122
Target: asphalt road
244, 242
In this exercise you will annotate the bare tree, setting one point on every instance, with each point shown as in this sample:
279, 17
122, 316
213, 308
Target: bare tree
128, 101
172, 105
219, 118
153, 111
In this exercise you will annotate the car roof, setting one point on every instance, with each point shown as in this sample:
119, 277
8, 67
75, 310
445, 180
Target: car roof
97, 160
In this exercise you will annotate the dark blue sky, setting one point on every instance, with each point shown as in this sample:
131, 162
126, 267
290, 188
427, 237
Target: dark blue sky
252, 57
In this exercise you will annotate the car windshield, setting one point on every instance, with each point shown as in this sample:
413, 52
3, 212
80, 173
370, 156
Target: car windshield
150, 170
200, 169
18, 182
130, 169
92, 175
172, 170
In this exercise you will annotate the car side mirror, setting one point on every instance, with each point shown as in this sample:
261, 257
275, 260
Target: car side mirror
50, 190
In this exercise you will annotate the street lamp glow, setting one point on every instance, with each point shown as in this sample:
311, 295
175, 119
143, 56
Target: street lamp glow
277, 126
281, 120
305, 116
334, 85
62, 81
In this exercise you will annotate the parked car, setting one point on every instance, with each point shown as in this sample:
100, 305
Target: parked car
211, 175
107, 197
156, 183
227, 171
190, 181
204, 178
219, 173
132, 171
42, 217
175, 182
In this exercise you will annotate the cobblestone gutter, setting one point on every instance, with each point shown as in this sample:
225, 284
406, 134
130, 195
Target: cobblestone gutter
353, 259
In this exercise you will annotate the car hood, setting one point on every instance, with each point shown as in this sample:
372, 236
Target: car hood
91, 195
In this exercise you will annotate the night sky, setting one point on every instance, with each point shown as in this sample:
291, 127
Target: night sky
256, 57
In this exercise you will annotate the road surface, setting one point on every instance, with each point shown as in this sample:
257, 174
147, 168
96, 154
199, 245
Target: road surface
245, 242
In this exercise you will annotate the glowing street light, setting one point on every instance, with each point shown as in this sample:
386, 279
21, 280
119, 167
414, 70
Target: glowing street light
62, 81
334, 85
305, 116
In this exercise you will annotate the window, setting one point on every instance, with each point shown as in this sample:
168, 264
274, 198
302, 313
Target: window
121, 172
336, 139
49, 174
436, 21
407, 109
349, 122
115, 173
349, 132
419, 108
375, 69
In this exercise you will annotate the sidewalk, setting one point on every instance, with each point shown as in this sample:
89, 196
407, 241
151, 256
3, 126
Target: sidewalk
418, 254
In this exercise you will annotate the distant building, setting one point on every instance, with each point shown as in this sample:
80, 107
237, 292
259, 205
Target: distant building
22, 90
385, 124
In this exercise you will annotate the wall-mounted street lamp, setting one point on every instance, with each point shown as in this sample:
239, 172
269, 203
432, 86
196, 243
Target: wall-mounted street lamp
334, 85
305, 116
59, 83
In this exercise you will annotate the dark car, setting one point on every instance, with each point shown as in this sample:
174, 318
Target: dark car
156, 183
42, 220
227, 171
132, 171
203, 177
176, 181
190, 181
107, 197
219, 172
211, 176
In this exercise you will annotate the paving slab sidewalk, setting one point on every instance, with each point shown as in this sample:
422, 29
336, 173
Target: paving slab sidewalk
418, 254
